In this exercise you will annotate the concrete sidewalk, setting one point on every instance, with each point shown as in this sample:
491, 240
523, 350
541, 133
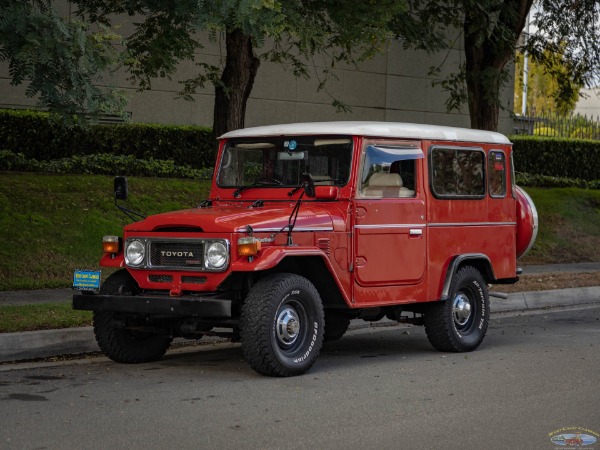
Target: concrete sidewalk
65, 295
48, 343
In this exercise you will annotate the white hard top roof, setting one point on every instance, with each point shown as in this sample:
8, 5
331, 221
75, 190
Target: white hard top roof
373, 129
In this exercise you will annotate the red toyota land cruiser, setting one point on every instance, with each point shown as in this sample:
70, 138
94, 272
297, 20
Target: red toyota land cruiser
311, 225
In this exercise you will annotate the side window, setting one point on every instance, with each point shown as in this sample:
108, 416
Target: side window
389, 171
457, 172
497, 174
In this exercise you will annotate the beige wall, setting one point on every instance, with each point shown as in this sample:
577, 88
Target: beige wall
392, 87
589, 103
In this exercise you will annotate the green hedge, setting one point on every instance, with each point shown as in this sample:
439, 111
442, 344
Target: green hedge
557, 157
38, 136
527, 179
103, 164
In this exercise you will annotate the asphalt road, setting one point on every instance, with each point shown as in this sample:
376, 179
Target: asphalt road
385, 388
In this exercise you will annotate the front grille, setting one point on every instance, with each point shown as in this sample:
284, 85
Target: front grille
184, 255
160, 278
193, 280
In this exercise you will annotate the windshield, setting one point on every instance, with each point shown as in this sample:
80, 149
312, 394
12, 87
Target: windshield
280, 162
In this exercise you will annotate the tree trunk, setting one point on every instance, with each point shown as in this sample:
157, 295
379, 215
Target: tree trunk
231, 96
483, 65
485, 60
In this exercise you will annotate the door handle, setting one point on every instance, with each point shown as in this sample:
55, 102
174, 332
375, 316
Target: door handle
415, 232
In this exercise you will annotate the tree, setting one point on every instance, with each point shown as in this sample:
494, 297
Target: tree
292, 33
61, 60
289, 32
544, 94
492, 29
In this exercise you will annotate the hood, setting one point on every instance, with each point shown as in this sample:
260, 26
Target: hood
228, 219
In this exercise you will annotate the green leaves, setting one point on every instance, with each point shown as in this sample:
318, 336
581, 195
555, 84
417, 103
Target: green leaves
60, 60
103, 164
40, 138
557, 157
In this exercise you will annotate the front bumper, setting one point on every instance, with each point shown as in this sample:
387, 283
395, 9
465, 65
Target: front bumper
155, 305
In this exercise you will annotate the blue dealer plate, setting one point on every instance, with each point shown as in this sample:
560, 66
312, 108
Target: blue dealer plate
86, 280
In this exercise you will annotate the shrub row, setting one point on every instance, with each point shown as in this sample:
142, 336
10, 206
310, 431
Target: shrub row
103, 164
527, 179
106, 164
557, 157
38, 136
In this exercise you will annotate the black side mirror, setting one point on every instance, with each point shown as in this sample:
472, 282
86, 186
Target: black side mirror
121, 188
308, 183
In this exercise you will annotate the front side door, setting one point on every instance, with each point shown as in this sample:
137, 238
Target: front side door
390, 223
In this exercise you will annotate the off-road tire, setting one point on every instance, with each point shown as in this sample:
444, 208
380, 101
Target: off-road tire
335, 326
447, 327
282, 325
121, 345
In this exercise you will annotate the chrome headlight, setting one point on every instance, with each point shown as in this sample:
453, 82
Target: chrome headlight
135, 253
217, 255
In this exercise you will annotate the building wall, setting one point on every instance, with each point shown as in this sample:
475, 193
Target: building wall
589, 103
393, 86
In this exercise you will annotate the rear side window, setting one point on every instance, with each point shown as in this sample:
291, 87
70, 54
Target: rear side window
457, 172
497, 173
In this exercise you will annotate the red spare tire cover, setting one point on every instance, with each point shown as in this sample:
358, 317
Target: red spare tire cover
527, 222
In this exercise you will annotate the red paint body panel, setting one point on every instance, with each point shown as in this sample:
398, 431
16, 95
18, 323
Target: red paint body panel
379, 251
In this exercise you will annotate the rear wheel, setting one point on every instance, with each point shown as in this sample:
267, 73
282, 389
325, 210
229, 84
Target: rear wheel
282, 325
459, 324
120, 344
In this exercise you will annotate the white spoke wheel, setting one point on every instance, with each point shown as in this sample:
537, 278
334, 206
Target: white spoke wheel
282, 325
459, 324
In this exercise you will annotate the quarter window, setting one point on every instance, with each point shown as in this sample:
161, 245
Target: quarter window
497, 174
457, 172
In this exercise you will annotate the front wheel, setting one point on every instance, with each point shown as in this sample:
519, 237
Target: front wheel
124, 345
282, 325
335, 326
459, 324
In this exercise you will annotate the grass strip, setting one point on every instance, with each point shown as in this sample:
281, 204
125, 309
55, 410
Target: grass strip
45, 316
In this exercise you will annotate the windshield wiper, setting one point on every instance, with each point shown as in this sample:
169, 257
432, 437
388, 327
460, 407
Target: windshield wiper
293, 191
259, 183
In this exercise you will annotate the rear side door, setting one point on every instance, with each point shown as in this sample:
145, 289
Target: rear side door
390, 228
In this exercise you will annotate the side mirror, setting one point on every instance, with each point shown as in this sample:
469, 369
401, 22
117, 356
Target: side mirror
121, 188
308, 183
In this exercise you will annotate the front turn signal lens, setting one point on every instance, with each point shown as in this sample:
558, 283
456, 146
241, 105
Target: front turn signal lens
110, 244
248, 246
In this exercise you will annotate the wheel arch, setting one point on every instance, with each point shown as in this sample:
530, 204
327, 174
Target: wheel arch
479, 261
317, 270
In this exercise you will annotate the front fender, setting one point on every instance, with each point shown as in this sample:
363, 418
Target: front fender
269, 257
112, 260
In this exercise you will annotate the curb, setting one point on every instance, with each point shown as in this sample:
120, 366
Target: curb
71, 341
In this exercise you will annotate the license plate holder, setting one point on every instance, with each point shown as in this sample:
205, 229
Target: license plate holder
86, 280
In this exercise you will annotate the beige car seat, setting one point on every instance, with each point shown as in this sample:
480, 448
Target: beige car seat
383, 184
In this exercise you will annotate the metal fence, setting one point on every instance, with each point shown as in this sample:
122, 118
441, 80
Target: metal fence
573, 126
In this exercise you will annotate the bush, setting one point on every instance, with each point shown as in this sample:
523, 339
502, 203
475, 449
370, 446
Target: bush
545, 131
103, 164
527, 179
38, 136
557, 157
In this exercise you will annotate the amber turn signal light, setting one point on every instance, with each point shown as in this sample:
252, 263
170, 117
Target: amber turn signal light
110, 244
248, 246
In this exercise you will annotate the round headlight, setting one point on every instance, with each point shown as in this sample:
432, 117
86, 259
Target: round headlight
217, 255
134, 254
